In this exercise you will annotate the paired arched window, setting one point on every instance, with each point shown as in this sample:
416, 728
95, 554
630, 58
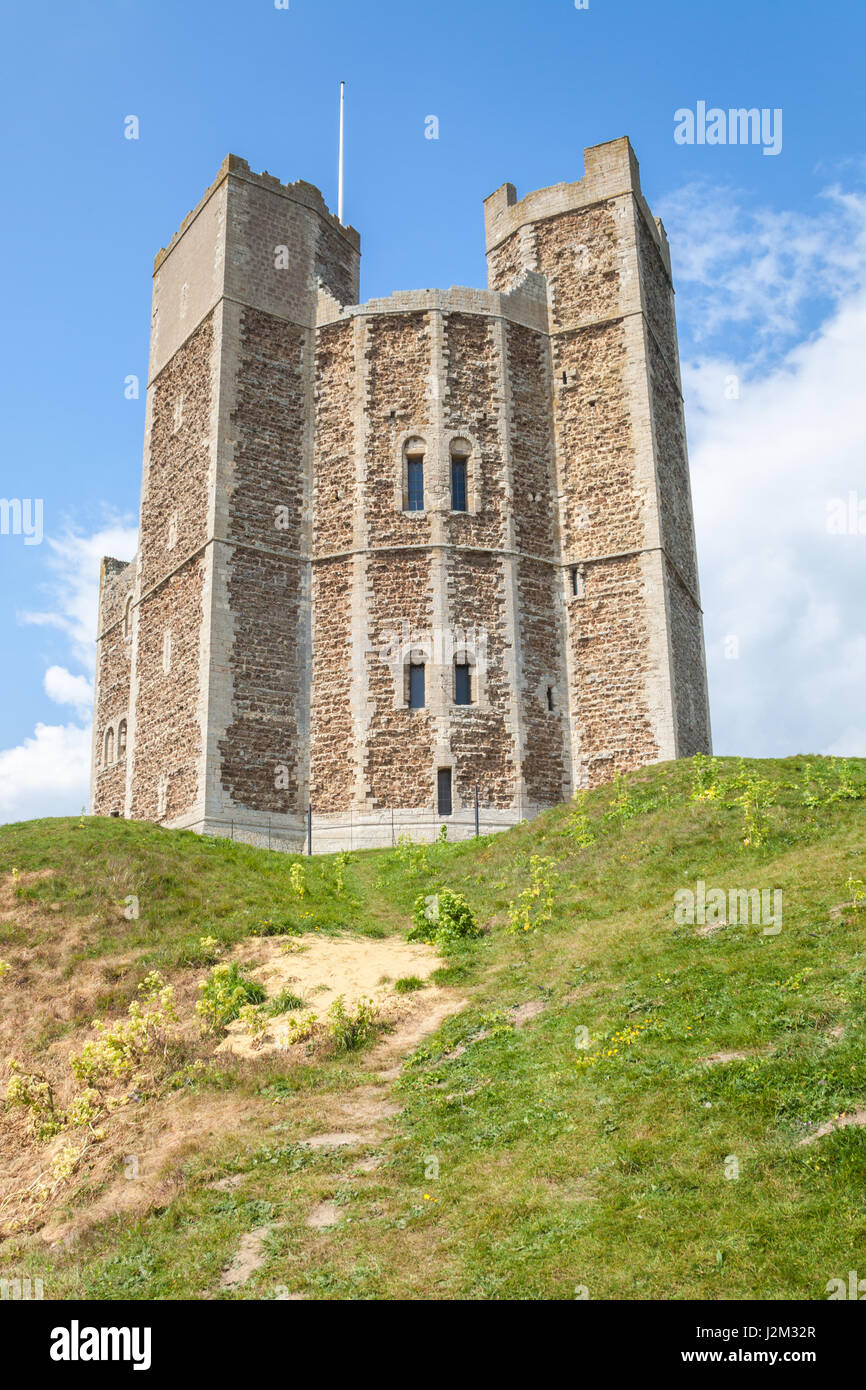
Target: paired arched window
413, 493
114, 750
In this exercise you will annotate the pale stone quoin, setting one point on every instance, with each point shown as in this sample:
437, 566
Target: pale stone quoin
391, 553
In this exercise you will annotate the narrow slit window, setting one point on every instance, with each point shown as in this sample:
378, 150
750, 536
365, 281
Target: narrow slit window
416, 685
462, 683
550, 697
458, 484
415, 483
444, 791
121, 739
576, 582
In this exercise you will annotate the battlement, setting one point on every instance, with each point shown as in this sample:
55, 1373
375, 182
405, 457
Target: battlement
300, 192
112, 567
610, 170
525, 303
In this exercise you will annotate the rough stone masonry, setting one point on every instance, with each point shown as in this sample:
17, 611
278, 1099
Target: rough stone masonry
401, 555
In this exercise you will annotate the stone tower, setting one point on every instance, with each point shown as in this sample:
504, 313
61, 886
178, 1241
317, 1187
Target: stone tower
395, 552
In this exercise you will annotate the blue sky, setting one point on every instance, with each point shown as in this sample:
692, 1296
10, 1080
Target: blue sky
768, 258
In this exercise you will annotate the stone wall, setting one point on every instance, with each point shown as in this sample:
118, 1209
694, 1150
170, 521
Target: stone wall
481, 735
334, 495
676, 517
263, 751
687, 646
332, 745
613, 728
472, 405
621, 461
111, 696
397, 405
333, 753
174, 505
284, 250
398, 753
165, 729
168, 737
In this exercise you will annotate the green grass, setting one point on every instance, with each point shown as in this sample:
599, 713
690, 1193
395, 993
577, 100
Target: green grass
408, 984
589, 1146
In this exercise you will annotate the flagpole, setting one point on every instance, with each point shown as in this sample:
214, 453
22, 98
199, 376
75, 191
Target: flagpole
340, 180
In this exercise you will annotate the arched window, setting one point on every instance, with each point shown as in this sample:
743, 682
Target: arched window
413, 475
463, 681
108, 757
121, 739
417, 696
460, 454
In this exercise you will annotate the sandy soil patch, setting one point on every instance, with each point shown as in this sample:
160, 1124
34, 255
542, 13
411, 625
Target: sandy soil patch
718, 1059
710, 928
427, 1011
522, 1014
319, 969
334, 1139
324, 1215
139, 1166
250, 1256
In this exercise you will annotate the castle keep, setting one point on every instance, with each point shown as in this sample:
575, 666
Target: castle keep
393, 552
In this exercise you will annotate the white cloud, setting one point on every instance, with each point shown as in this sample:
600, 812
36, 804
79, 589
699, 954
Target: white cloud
760, 268
66, 689
47, 775
765, 469
73, 589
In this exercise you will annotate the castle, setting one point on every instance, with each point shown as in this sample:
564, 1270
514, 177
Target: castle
408, 562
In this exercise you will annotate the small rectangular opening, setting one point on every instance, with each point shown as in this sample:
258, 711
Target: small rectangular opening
416, 685
576, 582
415, 484
462, 683
444, 791
458, 484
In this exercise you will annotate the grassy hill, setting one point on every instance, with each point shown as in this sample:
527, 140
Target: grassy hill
593, 1098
